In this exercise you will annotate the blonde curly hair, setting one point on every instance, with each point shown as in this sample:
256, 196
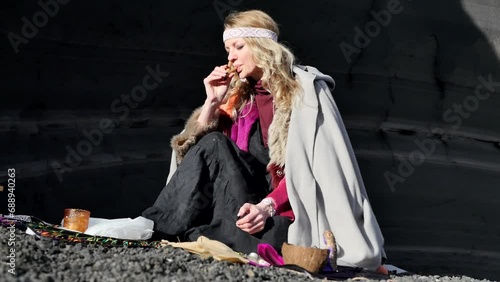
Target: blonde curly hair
273, 58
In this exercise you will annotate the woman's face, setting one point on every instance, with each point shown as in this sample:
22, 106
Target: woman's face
240, 54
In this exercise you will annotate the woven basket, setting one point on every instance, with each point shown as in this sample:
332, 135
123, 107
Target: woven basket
311, 259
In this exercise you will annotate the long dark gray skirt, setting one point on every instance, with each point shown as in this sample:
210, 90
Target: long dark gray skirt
210, 185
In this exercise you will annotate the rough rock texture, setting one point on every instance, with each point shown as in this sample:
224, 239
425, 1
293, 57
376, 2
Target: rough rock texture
407, 95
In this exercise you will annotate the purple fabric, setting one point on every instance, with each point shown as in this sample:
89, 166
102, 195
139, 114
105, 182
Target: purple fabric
269, 254
259, 89
240, 131
264, 101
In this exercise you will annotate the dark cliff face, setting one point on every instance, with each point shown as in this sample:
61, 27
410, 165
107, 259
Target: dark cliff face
92, 93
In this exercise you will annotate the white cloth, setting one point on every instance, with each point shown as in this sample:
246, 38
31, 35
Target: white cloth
324, 184
139, 228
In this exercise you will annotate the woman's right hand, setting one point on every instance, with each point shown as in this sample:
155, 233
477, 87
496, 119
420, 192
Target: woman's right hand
217, 84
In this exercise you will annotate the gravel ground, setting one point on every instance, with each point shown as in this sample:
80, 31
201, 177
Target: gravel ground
48, 260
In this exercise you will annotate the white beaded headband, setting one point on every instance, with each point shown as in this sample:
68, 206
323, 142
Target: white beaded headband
249, 32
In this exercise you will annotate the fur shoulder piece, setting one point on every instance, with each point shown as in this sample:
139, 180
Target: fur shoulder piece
191, 134
278, 134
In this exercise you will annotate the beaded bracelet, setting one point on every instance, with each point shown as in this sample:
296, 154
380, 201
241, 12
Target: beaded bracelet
269, 202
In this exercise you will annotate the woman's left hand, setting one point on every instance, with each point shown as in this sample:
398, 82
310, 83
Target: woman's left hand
253, 218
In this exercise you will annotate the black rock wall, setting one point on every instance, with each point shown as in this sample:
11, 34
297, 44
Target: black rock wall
92, 93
